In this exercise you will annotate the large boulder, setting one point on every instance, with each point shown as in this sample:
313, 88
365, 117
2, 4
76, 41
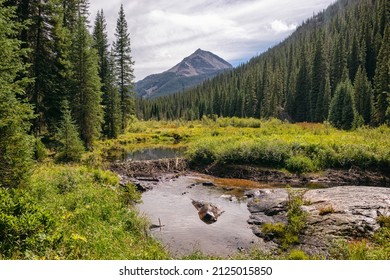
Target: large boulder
346, 212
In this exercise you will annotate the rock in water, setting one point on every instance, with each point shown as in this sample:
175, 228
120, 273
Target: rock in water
207, 212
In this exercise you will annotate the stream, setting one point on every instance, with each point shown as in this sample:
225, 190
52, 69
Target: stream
183, 232
173, 202
169, 204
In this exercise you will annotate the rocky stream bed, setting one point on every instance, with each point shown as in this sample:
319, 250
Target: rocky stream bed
339, 204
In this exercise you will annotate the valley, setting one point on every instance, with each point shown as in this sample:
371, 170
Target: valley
286, 155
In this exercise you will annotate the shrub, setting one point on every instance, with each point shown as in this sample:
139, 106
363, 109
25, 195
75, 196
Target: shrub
130, 194
300, 164
272, 231
40, 150
326, 210
25, 228
384, 221
297, 255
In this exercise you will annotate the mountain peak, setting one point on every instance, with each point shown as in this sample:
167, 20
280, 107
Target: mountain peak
200, 62
191, 71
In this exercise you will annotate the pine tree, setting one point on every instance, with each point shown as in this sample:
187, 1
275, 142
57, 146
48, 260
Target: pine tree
15, 114
86, 99
62, 82
316, 98
112, 102
382, 80
71, 146
362, 95
37, 37
302, 88
124, 68
342, 112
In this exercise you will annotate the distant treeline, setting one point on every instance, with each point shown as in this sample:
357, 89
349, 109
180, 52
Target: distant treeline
335, 66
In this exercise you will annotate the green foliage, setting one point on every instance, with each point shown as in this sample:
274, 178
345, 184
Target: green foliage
276, 230
124, 68
304, 147
71, 146
110, 99
16, 146
382, 80
300, 164
362, 95
375, 248
384, 221
342, 111
40, 151
130, 194
297, 255
86, 98
26, 230
81, 215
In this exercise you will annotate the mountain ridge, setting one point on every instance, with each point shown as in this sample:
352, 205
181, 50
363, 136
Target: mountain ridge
191, 71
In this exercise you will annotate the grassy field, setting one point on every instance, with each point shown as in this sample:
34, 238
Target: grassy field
298, 148
74, 212
79, 211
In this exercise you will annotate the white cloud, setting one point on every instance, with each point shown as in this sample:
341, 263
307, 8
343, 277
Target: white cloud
279, 26
163, 32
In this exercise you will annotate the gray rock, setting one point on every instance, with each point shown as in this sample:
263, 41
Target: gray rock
345, 212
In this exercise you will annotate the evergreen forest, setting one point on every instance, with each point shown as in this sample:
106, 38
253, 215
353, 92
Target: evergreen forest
334, 67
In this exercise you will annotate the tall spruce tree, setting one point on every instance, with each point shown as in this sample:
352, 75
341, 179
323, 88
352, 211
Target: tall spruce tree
86, 98
15, 114
382, 81
110, 98
316, 99
71, 148
302, 88
362, 95
342, 112
61, 81
38, 38
124, 68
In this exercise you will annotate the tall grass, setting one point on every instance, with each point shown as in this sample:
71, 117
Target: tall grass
299, 148
79, 213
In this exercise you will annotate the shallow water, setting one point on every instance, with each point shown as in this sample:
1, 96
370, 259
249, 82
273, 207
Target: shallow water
183, 232
146, 154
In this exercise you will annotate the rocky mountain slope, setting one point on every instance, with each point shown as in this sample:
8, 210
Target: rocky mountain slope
191, 71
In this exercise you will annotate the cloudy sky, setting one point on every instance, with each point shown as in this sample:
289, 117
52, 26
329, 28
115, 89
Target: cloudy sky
163, 32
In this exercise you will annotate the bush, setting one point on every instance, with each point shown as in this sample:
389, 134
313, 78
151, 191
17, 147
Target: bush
40, 150
297, 255
25, 229
300, 164
326, 210
130, 194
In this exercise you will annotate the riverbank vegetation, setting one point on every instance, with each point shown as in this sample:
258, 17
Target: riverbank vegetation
298, 148
74, 212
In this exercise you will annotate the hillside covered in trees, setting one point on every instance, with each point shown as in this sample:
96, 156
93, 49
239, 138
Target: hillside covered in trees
335, 66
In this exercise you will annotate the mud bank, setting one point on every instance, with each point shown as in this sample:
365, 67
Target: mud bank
327, 178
